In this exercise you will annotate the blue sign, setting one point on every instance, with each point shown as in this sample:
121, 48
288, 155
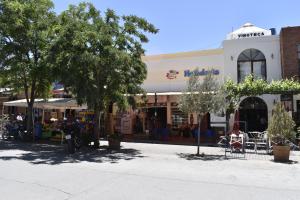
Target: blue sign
203, 72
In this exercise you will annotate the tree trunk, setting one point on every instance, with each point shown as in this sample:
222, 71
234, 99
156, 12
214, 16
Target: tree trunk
97, 127
198, 135
29, 117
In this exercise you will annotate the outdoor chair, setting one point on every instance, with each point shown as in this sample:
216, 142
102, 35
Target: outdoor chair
236, 141
249, 140
257, 140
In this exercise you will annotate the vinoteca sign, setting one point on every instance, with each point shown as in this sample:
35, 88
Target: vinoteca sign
245, 35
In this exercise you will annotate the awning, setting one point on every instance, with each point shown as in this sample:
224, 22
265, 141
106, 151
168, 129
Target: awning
52, 103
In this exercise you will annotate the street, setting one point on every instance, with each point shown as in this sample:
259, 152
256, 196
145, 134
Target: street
142, 171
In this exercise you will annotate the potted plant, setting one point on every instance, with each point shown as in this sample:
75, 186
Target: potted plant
114, 141
280, 130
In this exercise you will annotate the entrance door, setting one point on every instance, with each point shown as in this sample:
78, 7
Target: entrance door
158, 117
254, 112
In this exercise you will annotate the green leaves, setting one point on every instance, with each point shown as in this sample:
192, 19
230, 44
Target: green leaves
255, 87
25, 34
98, 57
203, 96
281, 127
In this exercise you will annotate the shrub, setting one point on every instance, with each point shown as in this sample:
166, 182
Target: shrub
281, 126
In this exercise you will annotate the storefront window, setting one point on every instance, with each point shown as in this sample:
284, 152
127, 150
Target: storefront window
251, 61
178, 117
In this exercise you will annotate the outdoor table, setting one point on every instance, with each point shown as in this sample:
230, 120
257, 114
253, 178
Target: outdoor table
258, 139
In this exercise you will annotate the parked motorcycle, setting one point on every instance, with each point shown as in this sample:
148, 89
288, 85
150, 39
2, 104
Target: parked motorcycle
73, 140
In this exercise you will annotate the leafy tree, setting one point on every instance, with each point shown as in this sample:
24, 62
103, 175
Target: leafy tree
25, 33
203, 97
98, 56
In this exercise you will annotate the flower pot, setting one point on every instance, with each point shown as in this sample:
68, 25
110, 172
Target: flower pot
114, 144
281, 153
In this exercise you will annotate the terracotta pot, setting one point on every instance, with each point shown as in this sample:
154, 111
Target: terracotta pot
281, 153
114, 144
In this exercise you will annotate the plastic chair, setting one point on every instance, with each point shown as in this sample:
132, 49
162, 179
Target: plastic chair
236, 142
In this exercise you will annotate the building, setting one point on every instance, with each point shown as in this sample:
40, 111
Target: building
290, 63
249, 49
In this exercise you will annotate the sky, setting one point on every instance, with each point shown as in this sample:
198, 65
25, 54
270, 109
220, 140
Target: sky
188, 25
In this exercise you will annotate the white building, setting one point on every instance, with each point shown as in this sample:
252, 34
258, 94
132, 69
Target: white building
249, 49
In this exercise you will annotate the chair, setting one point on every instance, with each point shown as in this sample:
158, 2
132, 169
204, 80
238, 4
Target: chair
258, 140
249, 140
236, 141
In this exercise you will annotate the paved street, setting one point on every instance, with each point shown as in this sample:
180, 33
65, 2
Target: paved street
142, 171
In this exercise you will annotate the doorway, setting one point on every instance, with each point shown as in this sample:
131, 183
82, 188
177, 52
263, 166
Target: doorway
254, 112
157, 117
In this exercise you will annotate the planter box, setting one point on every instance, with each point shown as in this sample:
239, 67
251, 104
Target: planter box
281, 153
114, 144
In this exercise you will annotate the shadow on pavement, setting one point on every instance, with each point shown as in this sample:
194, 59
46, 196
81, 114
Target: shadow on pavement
54, 154
208, 157
290, 162
203, 157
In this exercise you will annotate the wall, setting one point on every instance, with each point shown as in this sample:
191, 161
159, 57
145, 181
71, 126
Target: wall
160, 65
268, 45
289, 38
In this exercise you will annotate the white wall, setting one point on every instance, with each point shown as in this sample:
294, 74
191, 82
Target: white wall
268, 45
158, 68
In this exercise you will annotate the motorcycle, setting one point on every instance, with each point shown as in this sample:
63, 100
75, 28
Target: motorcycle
23, 134
72, 138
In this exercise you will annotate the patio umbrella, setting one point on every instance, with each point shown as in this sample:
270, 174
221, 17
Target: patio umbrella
236, 123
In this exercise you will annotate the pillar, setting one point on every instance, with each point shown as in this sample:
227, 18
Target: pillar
169, 114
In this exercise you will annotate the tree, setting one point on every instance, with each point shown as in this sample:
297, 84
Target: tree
98, 57
25, 34
202, 97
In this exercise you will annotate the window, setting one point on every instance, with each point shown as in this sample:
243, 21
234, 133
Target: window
178, 117
252, 61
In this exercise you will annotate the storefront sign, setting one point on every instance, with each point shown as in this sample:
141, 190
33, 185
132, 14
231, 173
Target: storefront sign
245, 35
203, 72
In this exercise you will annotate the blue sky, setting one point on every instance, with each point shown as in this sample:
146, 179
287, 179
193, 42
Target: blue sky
187, 25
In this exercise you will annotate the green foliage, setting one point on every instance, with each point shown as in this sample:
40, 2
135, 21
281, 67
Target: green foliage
25, 34
281, 126
98, 57
255, 87
24, 37
203, 96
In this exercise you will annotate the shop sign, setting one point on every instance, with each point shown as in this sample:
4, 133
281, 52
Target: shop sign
245, 35
203, 72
